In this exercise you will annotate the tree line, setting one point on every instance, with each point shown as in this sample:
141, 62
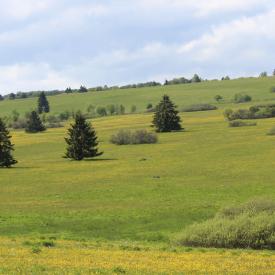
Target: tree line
81, 140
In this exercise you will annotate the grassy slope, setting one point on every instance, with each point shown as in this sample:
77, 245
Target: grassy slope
186, 177
182, 94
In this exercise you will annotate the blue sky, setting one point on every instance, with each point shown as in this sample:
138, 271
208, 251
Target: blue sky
53, 44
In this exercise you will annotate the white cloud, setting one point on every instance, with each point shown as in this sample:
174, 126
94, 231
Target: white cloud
18, 9
32, 76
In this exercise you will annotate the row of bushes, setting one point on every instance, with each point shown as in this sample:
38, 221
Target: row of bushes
124, 137
199, 107
240, 123
254, 112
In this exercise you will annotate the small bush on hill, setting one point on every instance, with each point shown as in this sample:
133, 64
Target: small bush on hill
251, 225
240, 123
124, 137
272, 89
199, 107
241, 98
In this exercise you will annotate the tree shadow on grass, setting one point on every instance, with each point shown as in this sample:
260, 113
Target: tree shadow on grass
16, 168
95, 160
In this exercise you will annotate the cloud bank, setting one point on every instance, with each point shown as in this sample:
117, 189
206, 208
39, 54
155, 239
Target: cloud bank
55, 44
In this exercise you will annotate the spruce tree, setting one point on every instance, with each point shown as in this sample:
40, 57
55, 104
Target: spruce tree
82, 140
6, 147
43, 104
34, 123
166, 118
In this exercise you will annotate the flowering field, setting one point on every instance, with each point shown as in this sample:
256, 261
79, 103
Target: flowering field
66, 257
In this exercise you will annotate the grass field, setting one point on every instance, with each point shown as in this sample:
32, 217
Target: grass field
23, 257
144, 193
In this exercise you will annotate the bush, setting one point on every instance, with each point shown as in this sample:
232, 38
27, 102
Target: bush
133, 108
251, 225
240, 123
124, 137
218, 98
149, 106
21, 123
272, 89
101, 111
271, 132
199, 107
241, 98
143, 137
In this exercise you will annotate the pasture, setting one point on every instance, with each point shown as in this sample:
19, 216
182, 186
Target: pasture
137, 193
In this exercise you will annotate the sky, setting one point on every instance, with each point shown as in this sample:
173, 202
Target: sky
54, 44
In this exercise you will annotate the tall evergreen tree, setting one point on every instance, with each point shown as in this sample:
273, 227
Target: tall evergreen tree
166, 118
82, 140
6, 147
43, 104
34, 123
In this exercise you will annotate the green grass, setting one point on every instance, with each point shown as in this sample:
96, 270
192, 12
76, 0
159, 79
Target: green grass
186, 177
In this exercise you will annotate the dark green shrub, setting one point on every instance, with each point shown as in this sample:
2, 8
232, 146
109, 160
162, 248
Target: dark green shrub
272, 89
149, 106
199, 107
251, 225
240, 123
218, 98
241, 98
48, 244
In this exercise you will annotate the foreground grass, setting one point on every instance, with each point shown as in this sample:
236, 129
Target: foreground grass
66, 257
142, 192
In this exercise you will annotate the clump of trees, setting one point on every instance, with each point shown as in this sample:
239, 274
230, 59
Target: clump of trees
183, 80
166, 118
43, 104
124, 137
82, 140
6, 147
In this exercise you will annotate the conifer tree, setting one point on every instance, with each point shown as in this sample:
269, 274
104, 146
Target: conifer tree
43, 104
6, 147
166, 118
82, 140
34, 123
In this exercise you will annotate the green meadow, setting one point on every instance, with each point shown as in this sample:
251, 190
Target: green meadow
138, 192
